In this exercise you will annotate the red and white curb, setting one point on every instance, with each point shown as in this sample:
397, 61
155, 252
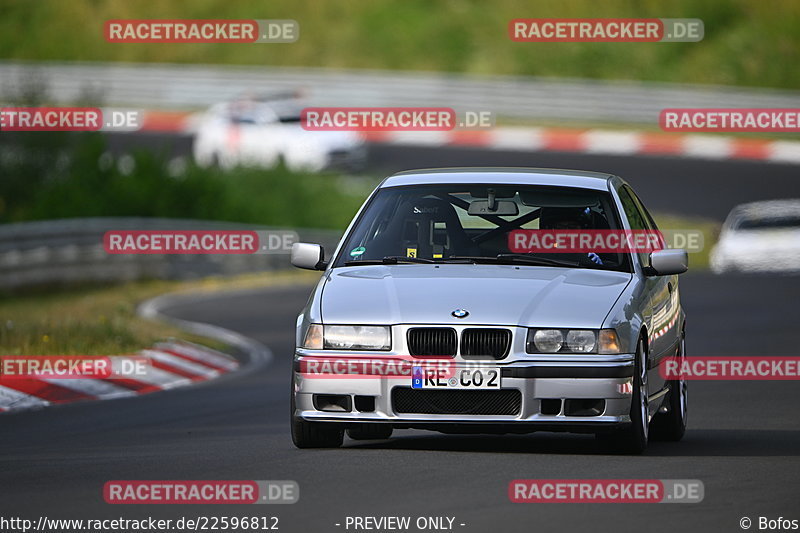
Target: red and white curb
596, 141
589, 141
168, 365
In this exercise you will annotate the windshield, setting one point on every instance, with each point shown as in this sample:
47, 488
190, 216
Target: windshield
472, 224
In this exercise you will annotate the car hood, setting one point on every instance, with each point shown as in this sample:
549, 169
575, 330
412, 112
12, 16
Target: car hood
493, 294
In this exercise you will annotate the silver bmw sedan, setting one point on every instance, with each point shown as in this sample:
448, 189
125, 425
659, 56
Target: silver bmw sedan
492, 300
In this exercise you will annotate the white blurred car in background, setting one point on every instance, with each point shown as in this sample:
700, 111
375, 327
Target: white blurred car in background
263, 132
760, 237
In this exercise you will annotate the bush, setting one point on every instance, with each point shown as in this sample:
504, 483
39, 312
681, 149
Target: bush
49, 176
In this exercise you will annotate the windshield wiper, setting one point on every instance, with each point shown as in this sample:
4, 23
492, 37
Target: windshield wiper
538, 260
399, 259
522, 258
474, 259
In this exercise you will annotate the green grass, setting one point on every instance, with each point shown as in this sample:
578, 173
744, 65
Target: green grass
709, 228
747, 42
39, 182
103, 320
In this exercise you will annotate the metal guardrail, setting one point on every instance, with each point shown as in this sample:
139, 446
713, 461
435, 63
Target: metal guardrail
55, 252
174, 86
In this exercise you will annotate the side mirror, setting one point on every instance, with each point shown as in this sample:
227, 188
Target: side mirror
308, 256
667, 262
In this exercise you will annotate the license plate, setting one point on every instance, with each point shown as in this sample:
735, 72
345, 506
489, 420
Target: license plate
465, 378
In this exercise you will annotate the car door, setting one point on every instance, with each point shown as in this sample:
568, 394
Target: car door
659, 290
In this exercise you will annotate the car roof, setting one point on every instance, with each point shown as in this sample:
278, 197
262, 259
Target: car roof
501, 175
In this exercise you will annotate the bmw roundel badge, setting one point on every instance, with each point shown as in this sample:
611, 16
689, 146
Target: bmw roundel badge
460, 313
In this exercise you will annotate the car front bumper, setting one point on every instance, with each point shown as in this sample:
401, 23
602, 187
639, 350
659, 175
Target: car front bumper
548, 392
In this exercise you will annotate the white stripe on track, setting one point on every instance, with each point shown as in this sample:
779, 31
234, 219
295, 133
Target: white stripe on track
182, 364
784, 151
12, 398
151, 376
523, 139
419, 138
206, 356
612, 142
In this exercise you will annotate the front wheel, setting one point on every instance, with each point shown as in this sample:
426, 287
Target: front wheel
307, 434
633, 439
671, 425
316, 434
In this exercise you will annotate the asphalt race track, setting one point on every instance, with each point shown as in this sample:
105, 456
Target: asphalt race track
708, 188
743, 440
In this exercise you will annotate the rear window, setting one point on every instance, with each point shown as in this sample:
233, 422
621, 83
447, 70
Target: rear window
778, 222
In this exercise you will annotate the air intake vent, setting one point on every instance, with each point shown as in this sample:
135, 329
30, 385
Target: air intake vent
457, 402
485, 342
432, 341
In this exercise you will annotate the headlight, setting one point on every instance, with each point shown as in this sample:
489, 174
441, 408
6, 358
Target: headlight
348, 337
581, 341
547, 340
575, 341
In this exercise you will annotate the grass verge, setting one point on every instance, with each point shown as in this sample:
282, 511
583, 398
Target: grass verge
746, 42
709, 228
103, 320
47, 176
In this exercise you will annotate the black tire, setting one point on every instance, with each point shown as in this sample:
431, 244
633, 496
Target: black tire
671, 426
314, 434
370, 431
633, 439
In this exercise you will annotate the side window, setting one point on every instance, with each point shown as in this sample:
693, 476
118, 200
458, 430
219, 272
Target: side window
635, 217
641, 208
